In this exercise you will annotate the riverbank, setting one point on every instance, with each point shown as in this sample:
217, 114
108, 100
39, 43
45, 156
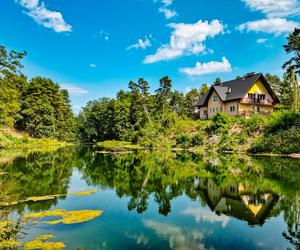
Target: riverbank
12, 139
275, 135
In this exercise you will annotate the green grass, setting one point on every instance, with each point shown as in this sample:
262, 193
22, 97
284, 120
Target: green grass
117, 146
12, 139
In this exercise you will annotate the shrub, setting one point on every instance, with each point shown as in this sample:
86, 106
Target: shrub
197, 140
227, 143
282, 142
221, 122
183, 141
283, 120
253, 124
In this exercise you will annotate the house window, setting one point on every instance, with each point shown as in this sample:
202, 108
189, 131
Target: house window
232, 108
215, 98
251, 96
213, 110
204, 112
261, 97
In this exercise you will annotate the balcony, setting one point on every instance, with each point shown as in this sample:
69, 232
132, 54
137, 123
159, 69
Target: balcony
247, 100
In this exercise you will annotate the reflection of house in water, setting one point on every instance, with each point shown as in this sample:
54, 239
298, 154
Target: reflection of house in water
237, 200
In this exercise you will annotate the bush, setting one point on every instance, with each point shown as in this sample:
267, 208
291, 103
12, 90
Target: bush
253, 124
283, 120
221, 122
227, 143
183, 141
282, 142
197, 140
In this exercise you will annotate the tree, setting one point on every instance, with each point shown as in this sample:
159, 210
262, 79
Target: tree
203, 89
217, 81
163, 96
293, 47
191, 98
46, 110
11, 83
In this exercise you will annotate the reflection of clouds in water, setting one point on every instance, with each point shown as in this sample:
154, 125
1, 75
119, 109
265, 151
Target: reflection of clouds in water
200, 215
140, 239
179, 239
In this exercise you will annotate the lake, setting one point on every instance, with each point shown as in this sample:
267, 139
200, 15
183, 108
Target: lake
159, 200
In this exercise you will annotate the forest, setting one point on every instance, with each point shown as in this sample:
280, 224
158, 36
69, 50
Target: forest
40, 108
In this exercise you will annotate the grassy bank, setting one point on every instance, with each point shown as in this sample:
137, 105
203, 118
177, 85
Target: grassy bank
278, 133
11, 139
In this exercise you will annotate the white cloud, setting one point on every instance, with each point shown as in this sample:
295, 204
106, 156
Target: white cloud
93, 65
167, 2
29, 4
261, 40
74, 90
274, 25
47, 18
211, 217
208, 68
178, 238
169, 13
186, 39
275, 8
166, 8
141, 44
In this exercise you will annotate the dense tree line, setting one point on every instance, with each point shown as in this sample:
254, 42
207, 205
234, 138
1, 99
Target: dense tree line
37, 106
123, 117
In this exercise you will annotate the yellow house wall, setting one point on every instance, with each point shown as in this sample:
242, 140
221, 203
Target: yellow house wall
259, 88
217, 106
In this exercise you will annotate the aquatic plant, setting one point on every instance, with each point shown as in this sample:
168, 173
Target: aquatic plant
67, 217
41, 243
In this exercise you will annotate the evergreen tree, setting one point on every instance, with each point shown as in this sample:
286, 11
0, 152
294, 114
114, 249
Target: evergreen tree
163, 96
293, 47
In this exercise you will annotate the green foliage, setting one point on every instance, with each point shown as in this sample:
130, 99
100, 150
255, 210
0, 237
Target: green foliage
39, 107
282, 121
255, 124
221, 122
281, 142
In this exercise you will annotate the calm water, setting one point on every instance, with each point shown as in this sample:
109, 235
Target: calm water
160, 200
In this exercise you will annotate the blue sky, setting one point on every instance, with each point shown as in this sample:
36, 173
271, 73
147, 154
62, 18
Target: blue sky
95, 47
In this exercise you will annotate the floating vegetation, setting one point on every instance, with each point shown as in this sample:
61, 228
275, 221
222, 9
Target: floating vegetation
67, 217
82, 193
41, 243
9, 244
47, 197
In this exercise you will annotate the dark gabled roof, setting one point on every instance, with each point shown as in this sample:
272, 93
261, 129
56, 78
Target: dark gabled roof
236, 89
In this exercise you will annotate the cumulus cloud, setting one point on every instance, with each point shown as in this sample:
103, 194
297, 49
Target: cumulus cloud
93, 65
211, 217
273, 25
74, 90
274, 8
45, 17
178, 238
208, 68
186, 39
141, 44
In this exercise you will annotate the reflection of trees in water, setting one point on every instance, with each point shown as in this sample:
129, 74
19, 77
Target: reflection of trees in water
163, 176
39, 174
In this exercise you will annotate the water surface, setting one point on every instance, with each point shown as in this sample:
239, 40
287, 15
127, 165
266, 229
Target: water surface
161, 200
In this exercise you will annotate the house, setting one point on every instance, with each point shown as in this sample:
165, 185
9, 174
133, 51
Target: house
238, 200
240, 97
